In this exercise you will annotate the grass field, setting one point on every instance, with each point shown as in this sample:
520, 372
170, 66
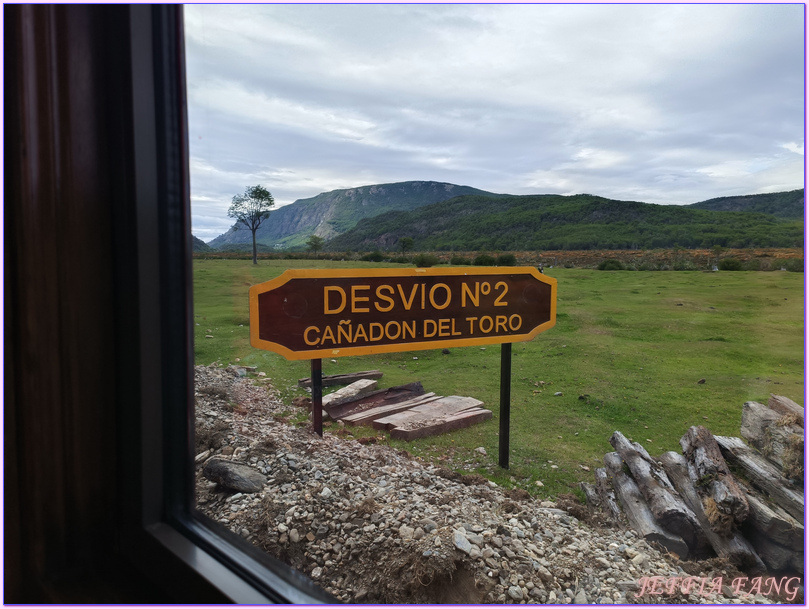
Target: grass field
627, 353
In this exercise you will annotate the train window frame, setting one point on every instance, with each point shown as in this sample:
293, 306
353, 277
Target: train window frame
160, 520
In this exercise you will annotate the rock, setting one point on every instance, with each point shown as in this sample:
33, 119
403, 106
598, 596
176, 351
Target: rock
461, 542
294, 536
515, 593
326, 492
580, 598
481, 451
235, 476
407, 533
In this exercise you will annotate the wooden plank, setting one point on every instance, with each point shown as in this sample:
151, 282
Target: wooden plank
343, 379
637, 511
732, 546
763, 475
465, 419
366, 416
382, 397
442, 406
668, 507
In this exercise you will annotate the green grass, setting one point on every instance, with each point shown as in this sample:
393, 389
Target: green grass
627, 353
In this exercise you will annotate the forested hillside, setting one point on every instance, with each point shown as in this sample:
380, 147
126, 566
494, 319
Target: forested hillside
788, 205
580, 222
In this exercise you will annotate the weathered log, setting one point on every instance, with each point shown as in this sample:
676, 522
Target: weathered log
774, 523
763, 475
342, 379
734, 547
724, 502
637, 511
778, 436
607, 495
775, 556
787, 407
443, 425
664, 501
591, 495
381, 397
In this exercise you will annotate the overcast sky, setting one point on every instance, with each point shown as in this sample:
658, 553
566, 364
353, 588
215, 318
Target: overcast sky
658, 103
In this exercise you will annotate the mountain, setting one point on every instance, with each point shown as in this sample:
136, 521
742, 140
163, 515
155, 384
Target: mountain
537, 222
788, 205
199, 245
332, 213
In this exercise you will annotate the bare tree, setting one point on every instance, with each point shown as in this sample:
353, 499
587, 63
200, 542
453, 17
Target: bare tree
251, 209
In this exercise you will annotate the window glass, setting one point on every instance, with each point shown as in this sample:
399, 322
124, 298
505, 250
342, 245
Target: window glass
343, 108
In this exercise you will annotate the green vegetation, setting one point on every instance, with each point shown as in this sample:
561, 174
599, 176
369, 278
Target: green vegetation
611, 264
315, 244
578, 222
251, 209
787, 205
332, 213
627, 353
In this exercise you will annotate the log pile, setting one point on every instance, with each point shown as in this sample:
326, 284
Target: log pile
695, 507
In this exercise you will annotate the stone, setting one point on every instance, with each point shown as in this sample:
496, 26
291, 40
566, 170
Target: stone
406, 532
461, 542
515, 593
580, 598
235, 476
481, 451
294, 536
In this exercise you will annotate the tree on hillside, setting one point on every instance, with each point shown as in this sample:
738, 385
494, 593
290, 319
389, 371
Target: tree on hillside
315, 243
406, 243
251, 209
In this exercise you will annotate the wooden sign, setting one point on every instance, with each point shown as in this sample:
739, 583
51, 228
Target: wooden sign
308, 314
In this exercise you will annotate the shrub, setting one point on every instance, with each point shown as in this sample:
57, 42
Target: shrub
611, 264
506, 260
459, 261
426, 260
730, 264
373, 257
400, 260
794, 265
484, 260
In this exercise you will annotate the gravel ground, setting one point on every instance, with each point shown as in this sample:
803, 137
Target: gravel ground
370, 524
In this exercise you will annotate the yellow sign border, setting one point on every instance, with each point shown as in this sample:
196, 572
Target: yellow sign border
290, 274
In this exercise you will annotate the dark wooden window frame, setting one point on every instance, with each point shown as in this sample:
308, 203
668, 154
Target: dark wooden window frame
96, 131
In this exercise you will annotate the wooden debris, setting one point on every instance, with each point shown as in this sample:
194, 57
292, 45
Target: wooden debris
778, 436
392, 395
350, 393
442, 425
638, 514
731, 545
665, 503
763, 475
607, 495
724, 502
342, 379
449, 405
590, 494
774, 523
367, 416
786, 407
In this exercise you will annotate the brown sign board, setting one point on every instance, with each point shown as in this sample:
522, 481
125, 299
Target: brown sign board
309, 314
